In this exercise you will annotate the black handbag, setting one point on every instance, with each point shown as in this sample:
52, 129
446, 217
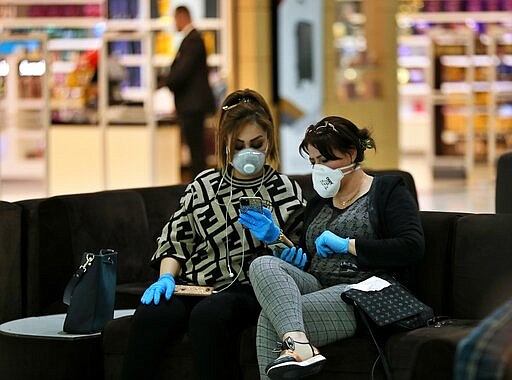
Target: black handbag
393, 306
90, 293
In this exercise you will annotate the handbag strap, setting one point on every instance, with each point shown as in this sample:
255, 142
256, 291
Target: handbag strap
77, 276
384, 360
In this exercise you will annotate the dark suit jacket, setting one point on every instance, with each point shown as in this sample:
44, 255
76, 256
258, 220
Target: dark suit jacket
188, 77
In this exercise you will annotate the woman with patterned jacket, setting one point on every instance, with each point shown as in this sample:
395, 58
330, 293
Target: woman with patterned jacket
204, 244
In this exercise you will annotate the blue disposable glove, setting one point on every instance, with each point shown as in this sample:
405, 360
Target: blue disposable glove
328, 243
261, 225
293, 256
164, 285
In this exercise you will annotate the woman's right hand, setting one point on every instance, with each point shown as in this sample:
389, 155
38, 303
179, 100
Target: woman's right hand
293, 256
164, 285
328, 243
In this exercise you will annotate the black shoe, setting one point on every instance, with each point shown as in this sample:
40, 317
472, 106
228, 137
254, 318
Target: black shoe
289, 365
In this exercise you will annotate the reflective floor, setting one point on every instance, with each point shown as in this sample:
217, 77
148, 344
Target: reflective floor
475, 194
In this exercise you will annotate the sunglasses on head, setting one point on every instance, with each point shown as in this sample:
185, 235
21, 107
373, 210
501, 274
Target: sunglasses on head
239, 101
321, 129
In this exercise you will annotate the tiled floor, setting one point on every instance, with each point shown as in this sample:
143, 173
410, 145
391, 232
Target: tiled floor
474, 194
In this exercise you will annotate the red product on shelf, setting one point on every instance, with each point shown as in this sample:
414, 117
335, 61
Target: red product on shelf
92, 10
452, 5
493, 5
432, 6
474, 5
507, 5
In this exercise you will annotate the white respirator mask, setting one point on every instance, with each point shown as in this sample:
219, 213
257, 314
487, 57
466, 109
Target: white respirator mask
327, 181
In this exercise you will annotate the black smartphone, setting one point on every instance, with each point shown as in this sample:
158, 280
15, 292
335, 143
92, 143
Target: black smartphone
251, 203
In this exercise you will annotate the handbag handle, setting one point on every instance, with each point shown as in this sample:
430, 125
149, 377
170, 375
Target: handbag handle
382, 355
77, 276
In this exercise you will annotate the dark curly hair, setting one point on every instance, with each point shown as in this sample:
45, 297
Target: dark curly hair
337, 133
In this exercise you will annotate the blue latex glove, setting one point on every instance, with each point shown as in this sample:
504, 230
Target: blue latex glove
164, 285
261, 225
328, 243
293, 256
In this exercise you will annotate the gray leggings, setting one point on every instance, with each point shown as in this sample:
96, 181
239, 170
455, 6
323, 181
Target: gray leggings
294, 300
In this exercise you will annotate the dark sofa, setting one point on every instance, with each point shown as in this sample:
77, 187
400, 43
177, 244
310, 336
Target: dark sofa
464, 275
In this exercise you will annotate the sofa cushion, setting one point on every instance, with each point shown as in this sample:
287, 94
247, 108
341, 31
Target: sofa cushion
482, 264
503, 200
426, 353
160, 203
10, 262
70, 225
30, 255
432, 282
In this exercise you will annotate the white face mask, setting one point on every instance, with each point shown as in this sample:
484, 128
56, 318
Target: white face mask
327, 181
249, 161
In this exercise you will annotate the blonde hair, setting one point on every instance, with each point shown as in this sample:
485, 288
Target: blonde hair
239, 108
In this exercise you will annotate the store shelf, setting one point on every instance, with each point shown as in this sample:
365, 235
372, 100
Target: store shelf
30, 104
53, 22
24, 108
76, 44
49, 2
455, 17
465, 93
414, 89
69, 102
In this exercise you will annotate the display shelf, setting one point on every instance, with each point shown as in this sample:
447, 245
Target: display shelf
415, 91
24, 107
357, 66
48, 2
465, 94
59, 22
454, 17
75, 30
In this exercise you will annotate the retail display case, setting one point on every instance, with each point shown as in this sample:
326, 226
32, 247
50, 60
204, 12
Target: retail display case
117, 131
24, 116
357, 71
465, 57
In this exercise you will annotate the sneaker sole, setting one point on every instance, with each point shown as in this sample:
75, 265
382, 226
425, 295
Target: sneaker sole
297, 370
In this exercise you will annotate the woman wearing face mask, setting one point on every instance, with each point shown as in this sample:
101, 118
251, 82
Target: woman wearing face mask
361, 224
204, 244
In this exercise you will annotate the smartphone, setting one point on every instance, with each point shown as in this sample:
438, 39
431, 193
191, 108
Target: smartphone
251, 203
193, 290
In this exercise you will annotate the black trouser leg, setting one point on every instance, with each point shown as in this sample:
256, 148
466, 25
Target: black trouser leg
153, 328
215, 327
192, 127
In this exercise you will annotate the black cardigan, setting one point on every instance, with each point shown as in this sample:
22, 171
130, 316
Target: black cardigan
395, 219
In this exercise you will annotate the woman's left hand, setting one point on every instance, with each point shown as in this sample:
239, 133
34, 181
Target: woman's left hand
328, 243
261, 225
293, 256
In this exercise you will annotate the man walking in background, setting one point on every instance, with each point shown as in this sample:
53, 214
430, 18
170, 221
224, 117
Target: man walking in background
188, 80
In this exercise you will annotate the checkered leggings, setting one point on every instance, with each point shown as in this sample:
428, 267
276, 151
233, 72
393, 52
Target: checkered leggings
294, 300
